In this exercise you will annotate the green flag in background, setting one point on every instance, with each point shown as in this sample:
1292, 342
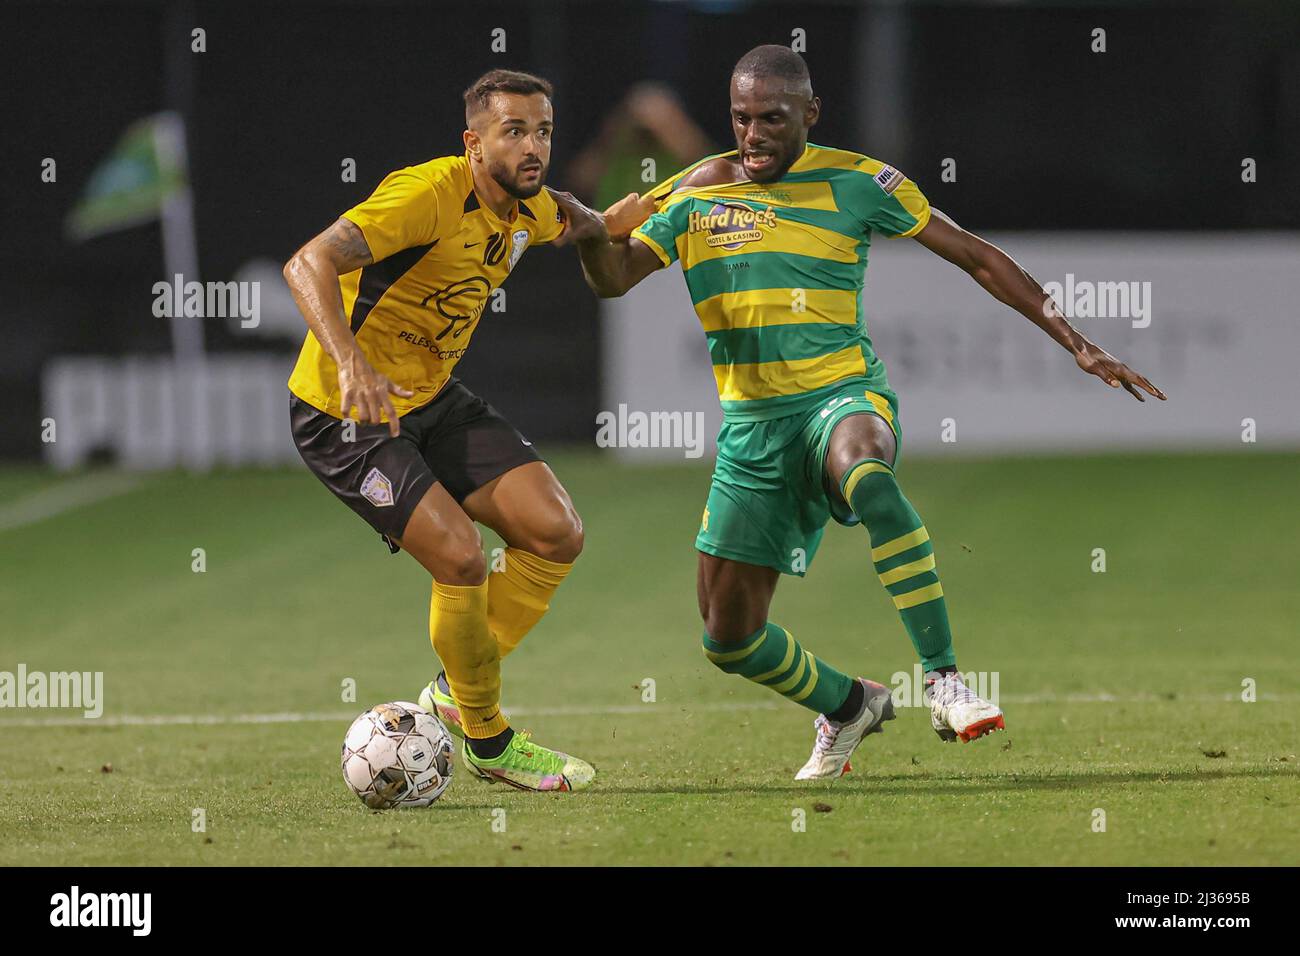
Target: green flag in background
130, 185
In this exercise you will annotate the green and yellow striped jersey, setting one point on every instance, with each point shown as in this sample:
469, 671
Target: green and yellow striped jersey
775, 271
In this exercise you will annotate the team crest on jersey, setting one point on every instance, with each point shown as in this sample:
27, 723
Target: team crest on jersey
889, 179
518, 243
377, 489
731, 225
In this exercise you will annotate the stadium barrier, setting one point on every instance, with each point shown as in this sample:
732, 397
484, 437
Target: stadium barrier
148, 412
1208, 318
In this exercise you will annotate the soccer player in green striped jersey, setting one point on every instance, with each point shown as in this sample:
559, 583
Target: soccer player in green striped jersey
772, 239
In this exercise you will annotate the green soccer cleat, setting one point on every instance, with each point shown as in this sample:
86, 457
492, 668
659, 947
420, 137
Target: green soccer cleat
436, 699
439, 702
529, 766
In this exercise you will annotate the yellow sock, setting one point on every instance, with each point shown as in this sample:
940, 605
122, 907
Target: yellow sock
459, 630
519, 595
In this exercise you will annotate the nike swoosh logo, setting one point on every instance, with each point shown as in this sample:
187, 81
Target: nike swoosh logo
470, 245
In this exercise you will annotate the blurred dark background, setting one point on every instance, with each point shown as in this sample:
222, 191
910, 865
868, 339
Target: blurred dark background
1047, 135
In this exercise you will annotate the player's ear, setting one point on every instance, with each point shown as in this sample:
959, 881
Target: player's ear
473, 145
814, 111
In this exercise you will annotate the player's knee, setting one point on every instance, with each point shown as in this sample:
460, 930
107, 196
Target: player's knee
727, 627
460, 561
856, 439
559, 538
467, 569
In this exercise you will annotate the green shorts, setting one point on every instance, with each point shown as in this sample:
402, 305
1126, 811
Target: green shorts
768, 504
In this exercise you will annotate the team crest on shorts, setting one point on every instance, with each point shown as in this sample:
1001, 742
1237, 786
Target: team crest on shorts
518, 243
377, 489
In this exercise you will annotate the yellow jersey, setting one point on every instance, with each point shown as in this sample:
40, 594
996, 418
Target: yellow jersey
439, 253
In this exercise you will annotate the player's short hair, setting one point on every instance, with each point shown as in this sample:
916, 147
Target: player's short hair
773, 61
480, 91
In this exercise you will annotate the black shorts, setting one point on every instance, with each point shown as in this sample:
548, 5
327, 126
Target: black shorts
457, 439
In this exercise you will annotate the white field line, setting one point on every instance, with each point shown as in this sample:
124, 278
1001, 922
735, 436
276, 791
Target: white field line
327, 716
65, 496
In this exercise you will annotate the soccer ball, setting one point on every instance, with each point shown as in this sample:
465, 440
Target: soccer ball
397, 755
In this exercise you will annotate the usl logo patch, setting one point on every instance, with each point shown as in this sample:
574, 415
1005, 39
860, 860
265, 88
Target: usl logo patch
889, 179
377, 489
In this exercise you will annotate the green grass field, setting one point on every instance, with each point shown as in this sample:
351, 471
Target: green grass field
1122, 689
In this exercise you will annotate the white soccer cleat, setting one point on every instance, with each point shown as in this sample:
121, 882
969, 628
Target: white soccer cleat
956, 711
835, 742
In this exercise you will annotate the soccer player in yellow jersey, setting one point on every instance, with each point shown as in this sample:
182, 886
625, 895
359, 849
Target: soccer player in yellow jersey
773, 239
392, 293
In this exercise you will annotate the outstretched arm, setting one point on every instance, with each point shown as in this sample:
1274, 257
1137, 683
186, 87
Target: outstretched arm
614, 266
612, 260
610, 265
1007, 282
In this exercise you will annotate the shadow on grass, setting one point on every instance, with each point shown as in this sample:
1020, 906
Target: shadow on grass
965, 784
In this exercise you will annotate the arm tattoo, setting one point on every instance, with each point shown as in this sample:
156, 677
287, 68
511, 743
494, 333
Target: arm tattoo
347, 246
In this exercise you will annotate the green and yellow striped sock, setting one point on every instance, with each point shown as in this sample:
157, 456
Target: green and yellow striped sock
771, 657
904, 558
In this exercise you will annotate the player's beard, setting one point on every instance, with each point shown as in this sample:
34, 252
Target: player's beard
509, 181
783, 156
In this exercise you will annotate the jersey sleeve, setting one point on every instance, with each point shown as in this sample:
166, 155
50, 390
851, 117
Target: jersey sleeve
661, 230
892, 204
661, 192
400, 214
550, 221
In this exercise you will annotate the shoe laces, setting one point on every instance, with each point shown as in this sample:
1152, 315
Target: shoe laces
827, 733
950, 689
523, 742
